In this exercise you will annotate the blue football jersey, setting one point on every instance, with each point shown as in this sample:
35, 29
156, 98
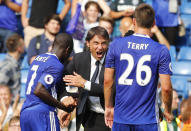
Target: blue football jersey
47, 70
138, 61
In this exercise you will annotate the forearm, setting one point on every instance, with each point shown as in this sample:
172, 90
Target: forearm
166, 91
24, 9
162, 39
65, 9
167, 99
74, 7
44, 95
108, 94
104, 7
13, 6
2, 117
108, 90
116, 15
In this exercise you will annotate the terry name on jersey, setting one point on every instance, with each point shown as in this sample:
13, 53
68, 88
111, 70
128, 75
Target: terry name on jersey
137, 46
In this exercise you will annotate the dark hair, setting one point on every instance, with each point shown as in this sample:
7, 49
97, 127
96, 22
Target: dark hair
107, 18
13, 42
89, 3
52, 17
64, 40
100, 31
144, 15
14, 119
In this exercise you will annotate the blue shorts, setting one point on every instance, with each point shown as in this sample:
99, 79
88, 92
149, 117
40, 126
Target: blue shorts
129, 127
39, 121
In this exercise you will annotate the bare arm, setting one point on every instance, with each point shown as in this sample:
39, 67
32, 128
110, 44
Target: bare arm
24, 10
118, 14
65, 9
108, 82
13, 6
166, 95
103, 5
160, 36
74, 6
108, 94
43, 94
4, 110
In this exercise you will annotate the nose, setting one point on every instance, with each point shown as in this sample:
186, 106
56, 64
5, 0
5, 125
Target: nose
100, 46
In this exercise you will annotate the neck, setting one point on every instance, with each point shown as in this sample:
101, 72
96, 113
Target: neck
144, 31
15, 55
50, 36
89, 22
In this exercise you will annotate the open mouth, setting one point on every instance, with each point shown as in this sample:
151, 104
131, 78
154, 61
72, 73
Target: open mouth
99, 54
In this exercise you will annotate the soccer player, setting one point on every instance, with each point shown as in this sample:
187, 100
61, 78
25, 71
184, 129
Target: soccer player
39, 110
137, 61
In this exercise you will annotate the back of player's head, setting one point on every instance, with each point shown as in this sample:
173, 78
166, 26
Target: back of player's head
63, 40
144, 15
100, 31
13, 42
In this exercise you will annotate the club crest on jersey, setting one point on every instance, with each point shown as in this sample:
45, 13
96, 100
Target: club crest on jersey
170, 66
48, 79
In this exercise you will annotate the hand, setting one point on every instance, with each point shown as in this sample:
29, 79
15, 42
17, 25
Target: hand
109, 111
74, 80
128, 12
69, 102
169, 117
154, 29
64, 118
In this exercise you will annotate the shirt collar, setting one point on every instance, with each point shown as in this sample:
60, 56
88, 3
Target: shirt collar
141, 35
93, 60
51, 54
13, 60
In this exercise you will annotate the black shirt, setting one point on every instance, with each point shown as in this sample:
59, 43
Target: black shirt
41, 9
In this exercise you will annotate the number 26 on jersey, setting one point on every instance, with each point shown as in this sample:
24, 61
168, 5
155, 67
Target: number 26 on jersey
124, 80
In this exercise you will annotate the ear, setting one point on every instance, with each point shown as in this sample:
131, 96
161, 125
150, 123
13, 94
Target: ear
45, 26
88, 44
154, 23
134, 21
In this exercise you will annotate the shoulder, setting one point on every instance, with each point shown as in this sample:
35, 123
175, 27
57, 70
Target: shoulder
81, 55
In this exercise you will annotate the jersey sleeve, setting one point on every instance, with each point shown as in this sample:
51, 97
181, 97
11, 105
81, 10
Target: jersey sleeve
51, 76
165, 62
110, 58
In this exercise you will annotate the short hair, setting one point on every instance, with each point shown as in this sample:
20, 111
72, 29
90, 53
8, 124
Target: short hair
14, 119
52, 17
13, 42
89, 3
144, 15
100, 31
64, 40
108, 19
